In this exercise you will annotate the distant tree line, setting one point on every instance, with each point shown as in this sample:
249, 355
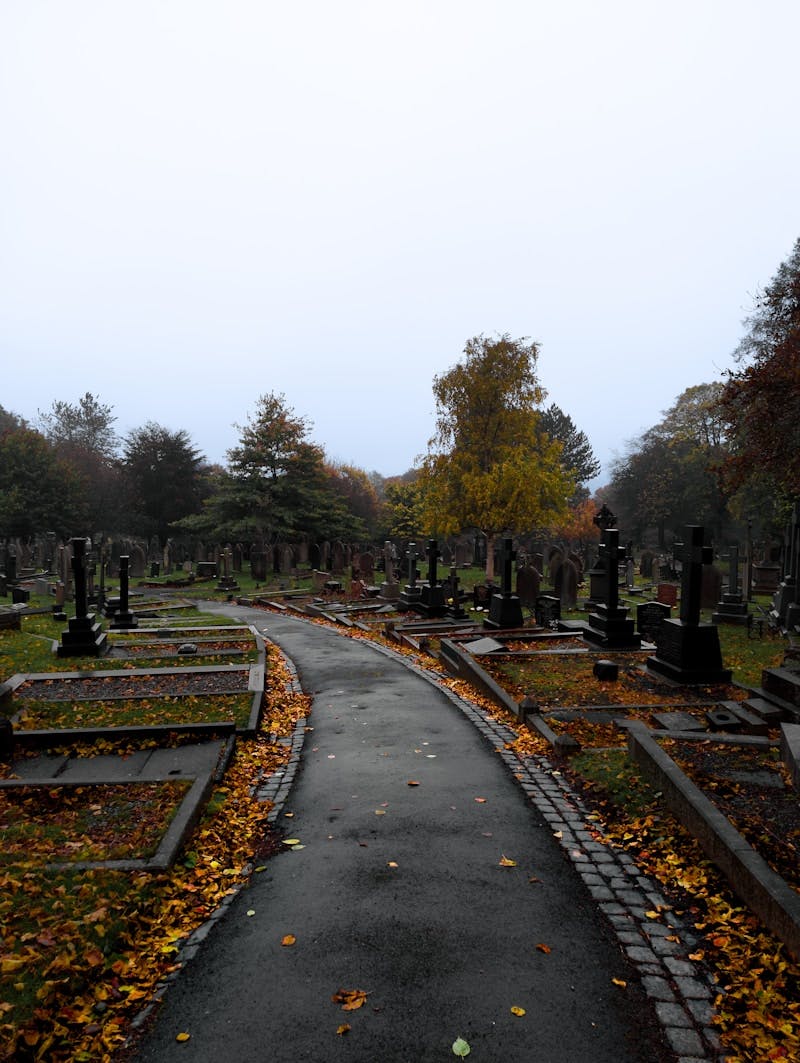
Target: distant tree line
499, 462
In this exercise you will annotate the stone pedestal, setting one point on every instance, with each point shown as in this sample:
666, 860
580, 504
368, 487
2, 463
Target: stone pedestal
730, 610
432, 601
390, 591
612, 628
83, 638
505, 610
689, 653
409, 598
228, 583
123, 620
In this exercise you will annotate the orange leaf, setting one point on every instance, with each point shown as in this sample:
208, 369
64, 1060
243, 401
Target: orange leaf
543, 948
505, 862
343, 1029
618, 981
350, 999
413, 782
288, 939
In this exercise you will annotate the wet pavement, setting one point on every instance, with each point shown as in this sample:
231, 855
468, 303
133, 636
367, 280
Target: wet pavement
442, 876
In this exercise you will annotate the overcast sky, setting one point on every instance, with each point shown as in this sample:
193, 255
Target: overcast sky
202, 201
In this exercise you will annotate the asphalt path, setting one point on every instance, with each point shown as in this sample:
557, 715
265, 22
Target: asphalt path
399, 891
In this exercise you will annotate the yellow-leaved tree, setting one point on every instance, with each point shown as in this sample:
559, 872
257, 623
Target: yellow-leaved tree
490, 465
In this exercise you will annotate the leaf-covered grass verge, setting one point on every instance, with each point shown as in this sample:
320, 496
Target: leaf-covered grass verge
155, 711
86, 823
82, 951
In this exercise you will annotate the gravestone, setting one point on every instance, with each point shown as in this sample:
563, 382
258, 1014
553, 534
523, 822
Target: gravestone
138, 561
410, 595
711, 587
609, 624
463, 555
505, 609
687, 651
453, 596
667, 593
766, 577
528, 583
649, 618
315, 557
646, 564
566, 584
547, 611
337, 558
555, 558
731, 608
390, 588
366, 566
786, 594
124, 619
432, 600
258, 564
83, 637
227, 581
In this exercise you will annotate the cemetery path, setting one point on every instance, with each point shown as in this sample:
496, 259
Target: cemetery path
399, 891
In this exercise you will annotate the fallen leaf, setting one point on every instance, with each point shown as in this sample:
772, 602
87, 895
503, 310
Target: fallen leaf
183, 1036
481, 800
620, 982
518, 1011
343, 1029
251, 911
543, 948
505, 862
288, 939
558, 834
460, 1047
651, 915
380, 812
296, 847
350, 999
413, 782
291, 841
392, 864
533, 878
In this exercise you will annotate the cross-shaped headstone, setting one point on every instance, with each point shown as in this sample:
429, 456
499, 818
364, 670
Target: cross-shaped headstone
611, 553
604, 518
433, 556
509, 555
412, 555
694, 554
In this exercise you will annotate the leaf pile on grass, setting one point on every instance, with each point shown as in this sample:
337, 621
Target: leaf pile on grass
82, 951
74, 823
152, 711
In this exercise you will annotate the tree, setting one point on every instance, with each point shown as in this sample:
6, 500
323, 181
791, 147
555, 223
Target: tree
277, 486
668, 478
39, 493
489, 466
760, 403
577, 455
83, 435
10, 421
356, 489
165, 478
403, 507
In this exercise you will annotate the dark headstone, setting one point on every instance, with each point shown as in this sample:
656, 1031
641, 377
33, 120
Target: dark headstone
609, 624
687, 651
83, 637
711, 587
547, 610
528, 583
505, 610
667, 593
566, 584
606, 670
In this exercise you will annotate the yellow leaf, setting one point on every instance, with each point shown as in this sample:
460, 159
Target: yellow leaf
618, 981
505, 862
343, 1029
291, 841
517, 1010
288, 939
651, 915
697, 955
183, 1037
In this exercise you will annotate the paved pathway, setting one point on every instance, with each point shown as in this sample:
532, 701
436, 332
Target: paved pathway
446, 941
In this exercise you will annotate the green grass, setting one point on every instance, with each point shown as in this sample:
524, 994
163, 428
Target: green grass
133, 712
612, 777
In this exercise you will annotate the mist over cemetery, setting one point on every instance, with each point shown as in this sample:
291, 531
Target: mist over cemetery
639, 641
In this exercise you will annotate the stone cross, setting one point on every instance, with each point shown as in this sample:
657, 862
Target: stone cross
79, 577
604, 518
694, 554
611, 553
509, 555
433, 556
412, 555
124, 583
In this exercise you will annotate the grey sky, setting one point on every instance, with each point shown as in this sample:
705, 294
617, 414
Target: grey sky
201, 202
